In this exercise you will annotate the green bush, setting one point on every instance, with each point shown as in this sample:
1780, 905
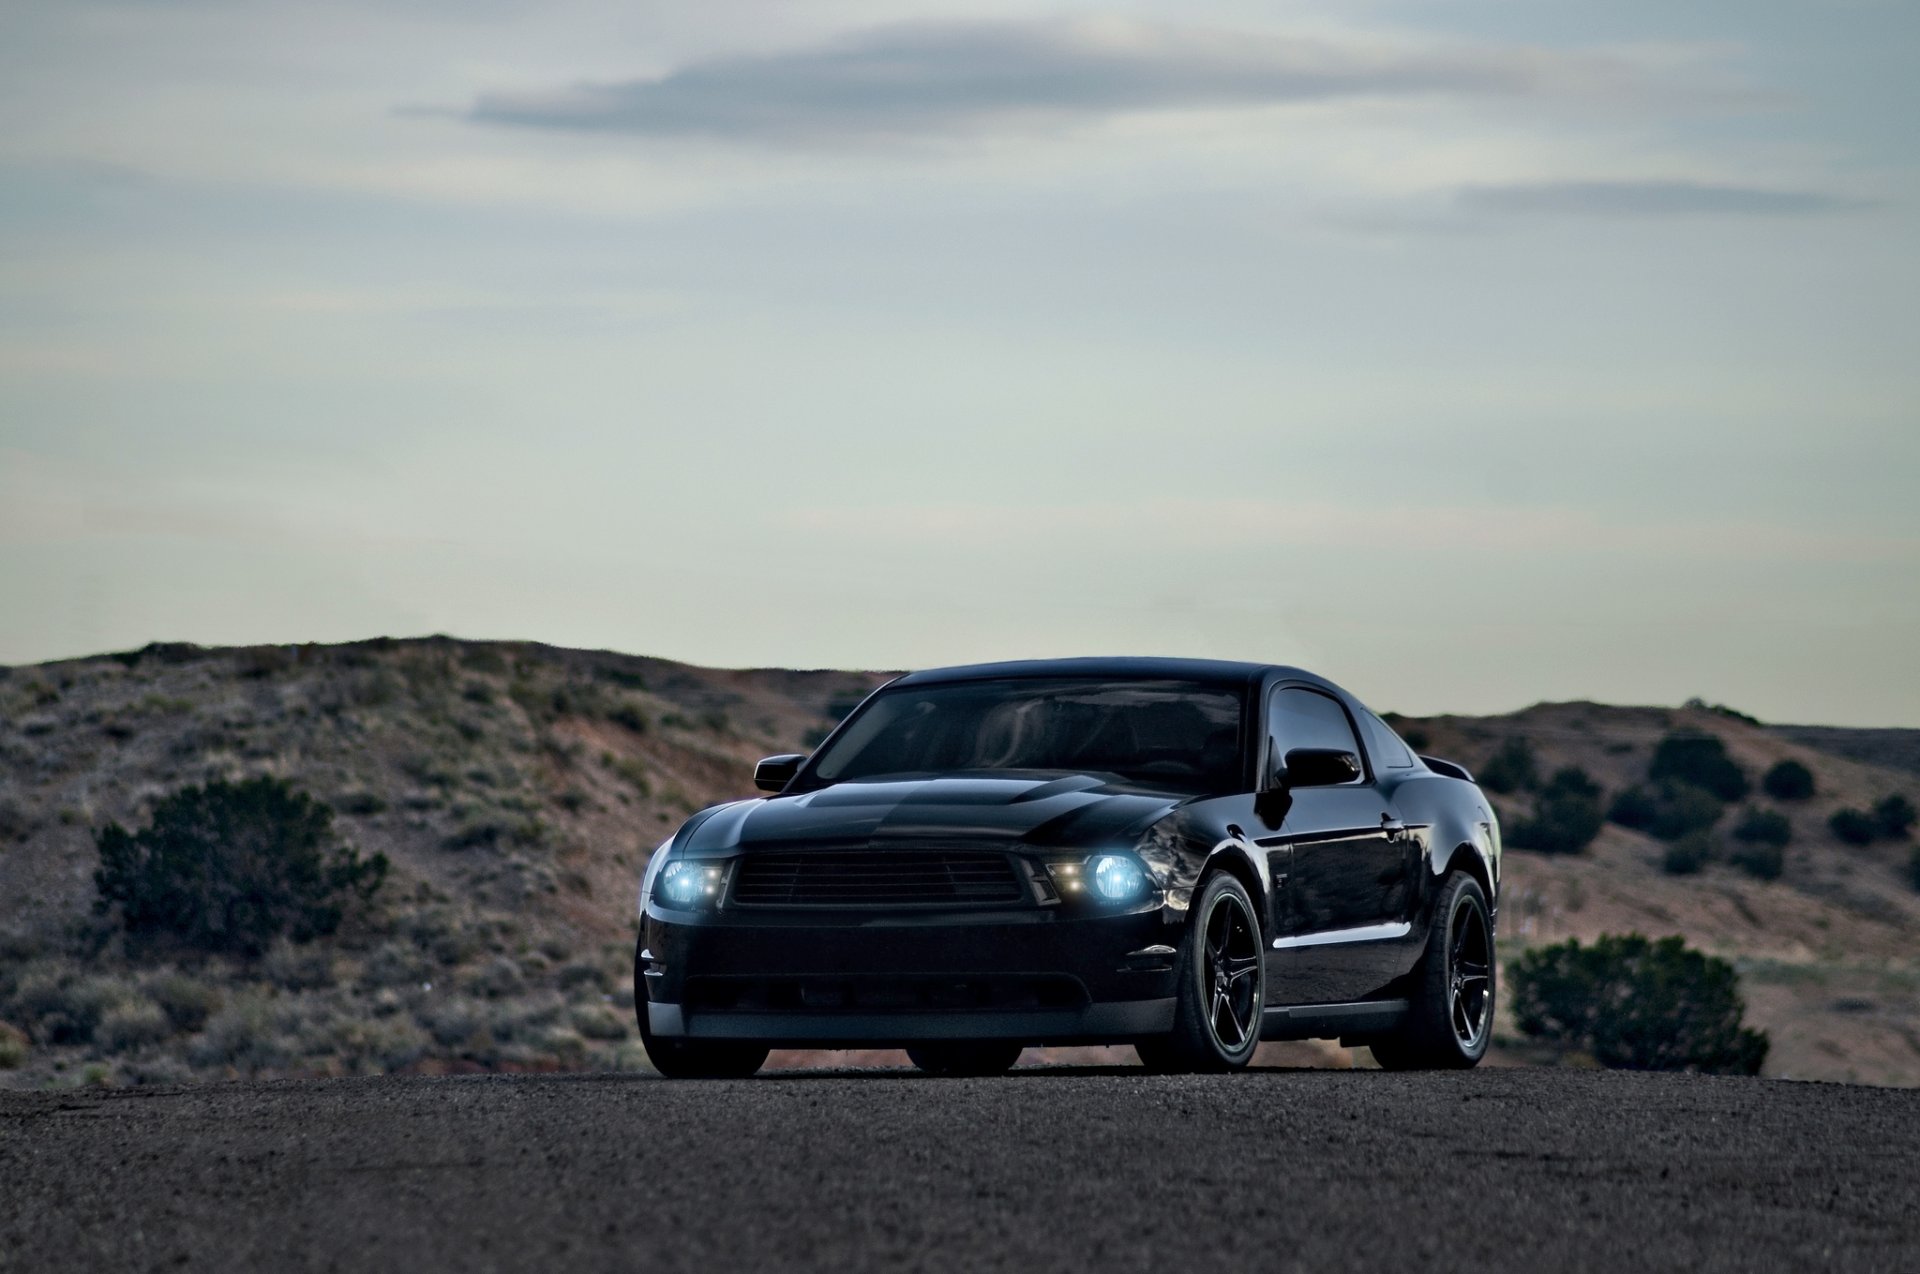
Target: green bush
1511, 769
187, 1001
1668, 811
13, 1047
1763, 827
1855, 827
1566, 817
1760, 860
629, 718
231, 866
1688, 855
1699, 760
1636, 1004
1893, 817
1788, 781
132, 1024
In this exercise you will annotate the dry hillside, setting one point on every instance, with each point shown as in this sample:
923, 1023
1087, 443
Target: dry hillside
518, 789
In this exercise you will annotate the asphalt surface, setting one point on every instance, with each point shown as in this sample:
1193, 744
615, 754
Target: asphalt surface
1043, 1169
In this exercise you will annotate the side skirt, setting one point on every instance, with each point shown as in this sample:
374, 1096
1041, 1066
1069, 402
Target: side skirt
1360, 1019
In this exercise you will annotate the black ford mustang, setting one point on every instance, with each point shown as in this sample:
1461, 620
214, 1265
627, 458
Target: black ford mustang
1188, 856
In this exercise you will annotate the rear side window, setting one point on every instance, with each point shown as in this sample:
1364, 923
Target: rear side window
1388, 751
1302, 718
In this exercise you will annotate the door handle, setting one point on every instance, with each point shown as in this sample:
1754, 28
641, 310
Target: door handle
1392, 826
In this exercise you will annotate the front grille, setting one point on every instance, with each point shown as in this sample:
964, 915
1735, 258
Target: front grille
876, 878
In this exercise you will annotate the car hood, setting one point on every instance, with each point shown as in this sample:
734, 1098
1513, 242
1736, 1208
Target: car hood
1076, 811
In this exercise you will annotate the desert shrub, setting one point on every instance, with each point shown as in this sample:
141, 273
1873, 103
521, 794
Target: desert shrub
231, 866
1637, 1004
814, 736
1763, 827
59, 1008
1788, 781
1668, 811
599, 1022
1855, 827
1913, 867
132, 1024
15, 822
1511, 769
1698, 704
455, 1021
1893, 817
298, 968
582, 973
625, 678
1686, 856
629, 717
1699, 760
1567, 815
13, 1047
496, 833
372, 1046
1761, 860
1634, 807
497, 978
187, 1001
360, 803
396, 964
250, 1035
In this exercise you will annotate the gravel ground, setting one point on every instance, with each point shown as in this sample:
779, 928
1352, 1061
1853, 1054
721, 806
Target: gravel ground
1044, 1169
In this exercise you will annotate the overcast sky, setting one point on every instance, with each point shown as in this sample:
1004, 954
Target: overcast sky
1470, 353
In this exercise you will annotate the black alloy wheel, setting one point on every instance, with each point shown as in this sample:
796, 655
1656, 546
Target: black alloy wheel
1452, 1011
965, 1057
1222, 985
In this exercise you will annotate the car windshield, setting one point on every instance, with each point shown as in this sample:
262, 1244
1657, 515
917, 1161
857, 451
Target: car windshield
1173, 735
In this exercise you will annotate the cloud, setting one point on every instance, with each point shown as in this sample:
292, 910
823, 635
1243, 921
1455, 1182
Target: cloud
1652, 199
939, 77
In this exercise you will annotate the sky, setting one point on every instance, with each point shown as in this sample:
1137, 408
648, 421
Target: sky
1470, 353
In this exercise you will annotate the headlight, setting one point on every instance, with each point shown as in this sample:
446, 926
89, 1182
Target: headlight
1106, 878
690, 883
1117, 877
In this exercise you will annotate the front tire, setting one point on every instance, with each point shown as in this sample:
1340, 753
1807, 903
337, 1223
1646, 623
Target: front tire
957, 1058
1222, 986
691, 1059
1452, 1011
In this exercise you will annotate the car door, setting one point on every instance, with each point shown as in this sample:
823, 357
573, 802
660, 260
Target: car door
1349, 889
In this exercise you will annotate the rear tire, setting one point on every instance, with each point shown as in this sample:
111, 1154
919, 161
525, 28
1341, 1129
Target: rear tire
691, 1059
968, 1057
1222, 984
1452, 1011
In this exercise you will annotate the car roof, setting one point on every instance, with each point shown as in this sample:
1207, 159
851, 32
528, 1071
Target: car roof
1117, 667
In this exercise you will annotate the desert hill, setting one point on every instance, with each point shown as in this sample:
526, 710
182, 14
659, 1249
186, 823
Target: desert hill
517, 790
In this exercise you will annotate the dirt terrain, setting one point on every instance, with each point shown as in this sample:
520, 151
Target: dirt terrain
1489, 1170
519, 788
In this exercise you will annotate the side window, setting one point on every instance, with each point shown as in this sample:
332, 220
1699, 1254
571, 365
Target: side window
1388, 751
1301, 718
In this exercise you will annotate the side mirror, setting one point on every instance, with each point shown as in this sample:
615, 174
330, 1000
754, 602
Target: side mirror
775, 772
1317, 767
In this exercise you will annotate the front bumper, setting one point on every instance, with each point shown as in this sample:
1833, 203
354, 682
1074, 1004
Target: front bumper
833, 979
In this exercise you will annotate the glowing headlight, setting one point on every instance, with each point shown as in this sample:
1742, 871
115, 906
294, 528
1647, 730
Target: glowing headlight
1116, 877
689, 884
1103, 877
